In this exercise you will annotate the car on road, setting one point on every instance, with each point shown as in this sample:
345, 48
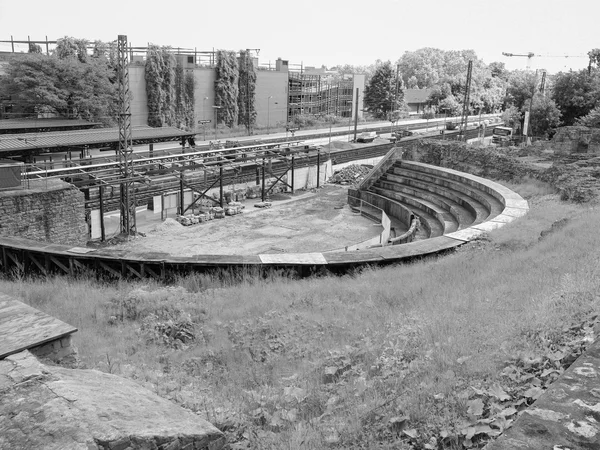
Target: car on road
366, 136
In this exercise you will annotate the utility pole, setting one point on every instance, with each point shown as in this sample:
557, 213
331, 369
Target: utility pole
248, 92
356, 115
465, 112
528, 113
127, 197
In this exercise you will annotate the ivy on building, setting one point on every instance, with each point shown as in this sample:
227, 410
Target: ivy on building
227, 87
247, 91
169, 90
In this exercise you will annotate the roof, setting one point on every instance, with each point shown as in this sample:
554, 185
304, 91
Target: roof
34, 124
416, 95
69, 139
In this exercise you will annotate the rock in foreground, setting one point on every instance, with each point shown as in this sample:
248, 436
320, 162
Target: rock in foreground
47, 407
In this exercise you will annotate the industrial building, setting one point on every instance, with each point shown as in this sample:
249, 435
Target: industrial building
282, 90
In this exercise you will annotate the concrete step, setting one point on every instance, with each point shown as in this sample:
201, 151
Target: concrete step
491, 204
431, 219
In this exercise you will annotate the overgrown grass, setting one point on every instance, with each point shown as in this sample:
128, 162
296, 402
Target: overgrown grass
393, 357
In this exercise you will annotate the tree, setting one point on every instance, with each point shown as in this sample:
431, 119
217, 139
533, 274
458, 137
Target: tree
380, 92
41, 84
576, 93
34, 48
446, 72
498, 70
545, 116
69, 47
592, 119
520, 88
512, 117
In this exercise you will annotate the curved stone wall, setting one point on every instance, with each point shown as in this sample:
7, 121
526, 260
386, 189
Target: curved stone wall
33, 256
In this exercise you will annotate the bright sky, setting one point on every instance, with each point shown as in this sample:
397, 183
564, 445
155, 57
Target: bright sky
324, 32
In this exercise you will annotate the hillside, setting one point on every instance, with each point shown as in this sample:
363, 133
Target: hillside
441, 353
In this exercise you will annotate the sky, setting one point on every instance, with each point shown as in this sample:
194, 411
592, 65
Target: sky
325, 32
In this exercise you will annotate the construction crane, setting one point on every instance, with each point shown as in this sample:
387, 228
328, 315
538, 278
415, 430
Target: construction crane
532, 55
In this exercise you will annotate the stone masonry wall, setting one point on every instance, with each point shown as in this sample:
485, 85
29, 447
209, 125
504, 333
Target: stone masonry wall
56, 350
48, 210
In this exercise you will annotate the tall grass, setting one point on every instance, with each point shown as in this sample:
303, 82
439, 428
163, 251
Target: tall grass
393, 340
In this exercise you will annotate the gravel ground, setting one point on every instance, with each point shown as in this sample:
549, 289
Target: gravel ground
306, 222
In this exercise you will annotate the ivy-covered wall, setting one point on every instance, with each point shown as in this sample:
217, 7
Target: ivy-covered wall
170, 90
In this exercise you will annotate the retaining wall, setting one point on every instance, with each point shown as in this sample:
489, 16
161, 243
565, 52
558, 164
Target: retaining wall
47, 210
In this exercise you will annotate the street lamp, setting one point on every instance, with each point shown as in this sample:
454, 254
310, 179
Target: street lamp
269, 114
216, 108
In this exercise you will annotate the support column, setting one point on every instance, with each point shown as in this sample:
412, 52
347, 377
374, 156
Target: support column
262, 193
293, 175
221, 185
318, 167
102, 229
181, 196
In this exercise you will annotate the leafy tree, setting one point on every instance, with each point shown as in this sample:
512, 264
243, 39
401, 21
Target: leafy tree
246, 89
592, 119
446, 72
498, 70
545, 115
226, 87
520, 88
380, 92
67, 87
69, 47
576, 93
512, 117
349, 69
34, 48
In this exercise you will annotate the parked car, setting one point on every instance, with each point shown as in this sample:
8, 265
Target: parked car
367, 136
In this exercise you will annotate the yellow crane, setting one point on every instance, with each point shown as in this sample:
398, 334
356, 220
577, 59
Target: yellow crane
532, 55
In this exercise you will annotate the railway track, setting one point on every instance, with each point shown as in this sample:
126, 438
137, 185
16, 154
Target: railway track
213, 168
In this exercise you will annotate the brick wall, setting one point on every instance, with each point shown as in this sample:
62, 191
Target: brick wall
48, 210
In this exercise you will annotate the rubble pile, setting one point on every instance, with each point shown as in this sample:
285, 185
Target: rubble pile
351, 174
214, 212
234, 208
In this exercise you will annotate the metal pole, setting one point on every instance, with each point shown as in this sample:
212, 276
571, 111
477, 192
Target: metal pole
293, 174
215, 108
12, 44
269, 114
355, 114
318, 166
181, 207
102, 229
221, 185
262, 195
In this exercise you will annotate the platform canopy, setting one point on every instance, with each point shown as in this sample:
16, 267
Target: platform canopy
35, 143
12, 126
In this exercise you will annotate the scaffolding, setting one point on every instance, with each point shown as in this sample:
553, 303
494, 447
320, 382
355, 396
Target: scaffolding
317, 95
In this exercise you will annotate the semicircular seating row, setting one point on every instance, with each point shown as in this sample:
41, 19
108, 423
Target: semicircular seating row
445, 201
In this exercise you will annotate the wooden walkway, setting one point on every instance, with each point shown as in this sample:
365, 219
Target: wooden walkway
23, 327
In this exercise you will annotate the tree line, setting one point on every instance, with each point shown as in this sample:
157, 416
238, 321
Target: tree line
566, 98
75, 82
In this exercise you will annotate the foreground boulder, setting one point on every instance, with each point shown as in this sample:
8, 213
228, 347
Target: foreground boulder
48, 407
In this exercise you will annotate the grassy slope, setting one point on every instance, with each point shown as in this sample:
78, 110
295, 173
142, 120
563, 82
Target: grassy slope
409, 356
